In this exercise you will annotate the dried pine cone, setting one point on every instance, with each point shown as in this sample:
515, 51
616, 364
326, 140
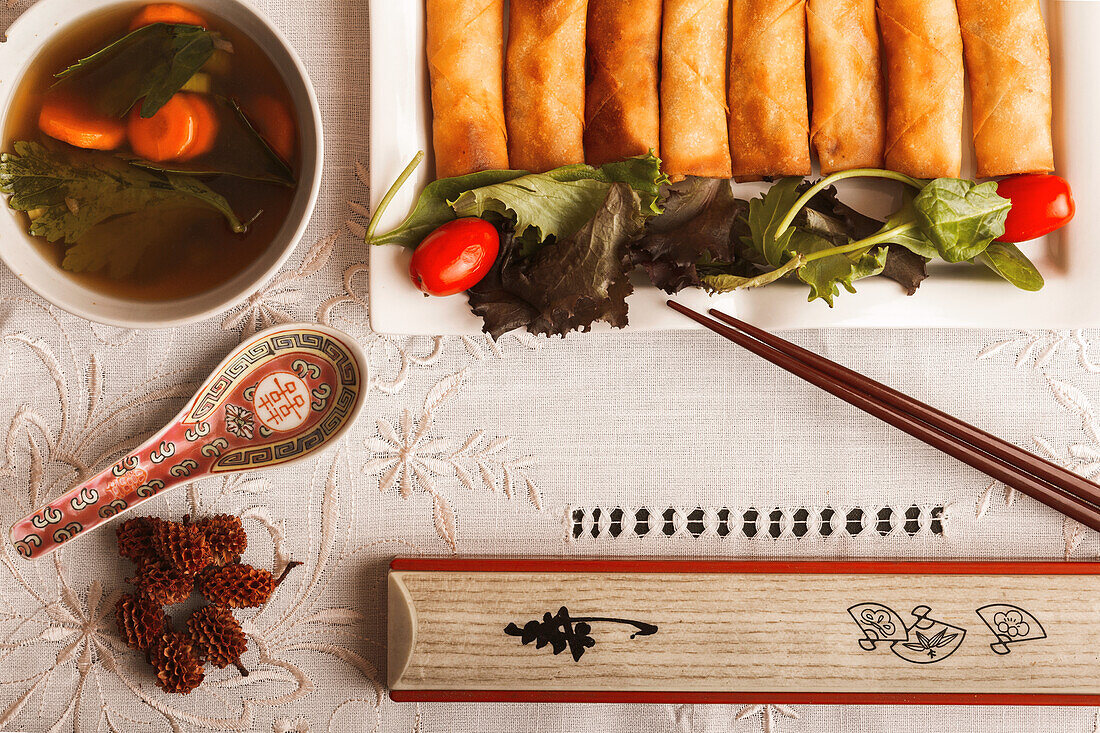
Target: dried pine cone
225, 536
161, 582
135, 537
218, 637
177, 667
140, 620
183, 546
239, 586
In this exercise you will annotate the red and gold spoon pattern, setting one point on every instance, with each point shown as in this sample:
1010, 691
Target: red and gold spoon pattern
279, 397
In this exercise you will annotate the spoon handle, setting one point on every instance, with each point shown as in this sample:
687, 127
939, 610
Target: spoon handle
158, 465
278, 397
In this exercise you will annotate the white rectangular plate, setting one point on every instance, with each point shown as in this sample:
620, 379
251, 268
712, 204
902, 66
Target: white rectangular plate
955, 296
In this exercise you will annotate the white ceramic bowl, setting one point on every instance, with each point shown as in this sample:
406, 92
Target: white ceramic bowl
25, 39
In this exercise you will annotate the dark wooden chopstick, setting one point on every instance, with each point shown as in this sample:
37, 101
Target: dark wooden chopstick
1049, 483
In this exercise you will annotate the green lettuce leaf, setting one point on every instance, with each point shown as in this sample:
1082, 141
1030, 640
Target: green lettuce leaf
69, 197
568, 284
827, 275
152, 62
765, 214
559, 202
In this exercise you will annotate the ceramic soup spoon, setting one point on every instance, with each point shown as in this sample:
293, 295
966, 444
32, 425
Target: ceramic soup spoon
280, 396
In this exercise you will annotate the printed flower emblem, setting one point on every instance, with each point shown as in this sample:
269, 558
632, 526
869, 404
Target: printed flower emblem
1011, 623
239, 421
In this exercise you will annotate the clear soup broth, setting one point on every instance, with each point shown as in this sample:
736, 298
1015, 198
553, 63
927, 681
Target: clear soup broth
174, 250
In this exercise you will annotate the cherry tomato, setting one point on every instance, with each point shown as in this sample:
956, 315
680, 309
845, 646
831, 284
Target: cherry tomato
1040, 204
455, 257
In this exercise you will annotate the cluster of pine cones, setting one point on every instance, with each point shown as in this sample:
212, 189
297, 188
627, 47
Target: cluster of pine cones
173, 559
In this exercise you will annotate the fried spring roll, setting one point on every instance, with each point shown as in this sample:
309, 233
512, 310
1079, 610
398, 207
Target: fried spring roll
922, 43
1008, 60
694, 132
544, 83
622, 107
848, 125
465, 49
769, 119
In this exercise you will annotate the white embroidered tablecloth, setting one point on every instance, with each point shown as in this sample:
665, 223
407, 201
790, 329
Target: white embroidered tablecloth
675, 445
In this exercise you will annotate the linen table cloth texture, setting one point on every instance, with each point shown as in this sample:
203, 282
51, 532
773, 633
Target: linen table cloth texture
664, 444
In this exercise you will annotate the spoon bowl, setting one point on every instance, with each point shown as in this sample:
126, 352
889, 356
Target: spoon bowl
281, 396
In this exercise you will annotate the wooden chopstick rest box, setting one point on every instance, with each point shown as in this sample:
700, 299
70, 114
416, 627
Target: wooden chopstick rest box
731, 631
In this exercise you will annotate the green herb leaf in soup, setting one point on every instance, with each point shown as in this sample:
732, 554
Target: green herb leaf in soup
69, 197
152, 62
239, 151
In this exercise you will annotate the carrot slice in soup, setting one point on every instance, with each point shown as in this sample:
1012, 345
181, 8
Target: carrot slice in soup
73, 121
167, 135
206, 125
275, 123
166, 13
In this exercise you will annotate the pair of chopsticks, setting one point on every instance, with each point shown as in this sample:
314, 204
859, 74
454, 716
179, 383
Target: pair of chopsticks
1053, 485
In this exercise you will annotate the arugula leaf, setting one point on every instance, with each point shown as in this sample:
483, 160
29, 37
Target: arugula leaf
559, 202
765, 214
671, 255
569, 284
827, 274
1008, 261
960, 217
153, 62
75, 196
431, 209
239, 151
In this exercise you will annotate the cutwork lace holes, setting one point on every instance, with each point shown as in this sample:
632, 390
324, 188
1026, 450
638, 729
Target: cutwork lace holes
670, 526
801, 523
616, 522
723, 522
854, 521
641, 522
885, 521
578, 523
695, 522
775, 525
937, 520
596, 514
912, 520
748, 526
827, 515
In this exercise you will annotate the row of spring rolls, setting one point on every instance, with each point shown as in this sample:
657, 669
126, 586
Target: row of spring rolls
719, 87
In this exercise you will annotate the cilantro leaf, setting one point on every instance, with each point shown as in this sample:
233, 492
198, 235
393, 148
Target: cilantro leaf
559, 202
239, 151
569, 284
153, 62
72, 196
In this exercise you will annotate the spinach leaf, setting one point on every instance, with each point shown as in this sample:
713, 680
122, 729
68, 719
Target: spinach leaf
559, 202
569, 284
1012, 264
152, 62
960, 218
239, 151
71, 196
431, 209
